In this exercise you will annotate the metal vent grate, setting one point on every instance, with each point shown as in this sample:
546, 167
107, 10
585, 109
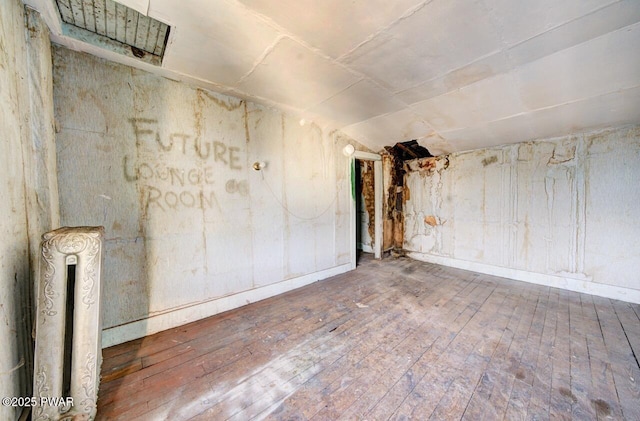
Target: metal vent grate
114, 22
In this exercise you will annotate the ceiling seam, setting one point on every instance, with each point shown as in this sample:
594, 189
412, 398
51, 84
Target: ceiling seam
305, 110
407, 14
576, 44
267, 51
549, 107
509, 47
491, 54
284, 32
389, 114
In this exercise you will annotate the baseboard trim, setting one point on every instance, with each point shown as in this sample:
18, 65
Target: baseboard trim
366, 248
168, 320
571, 284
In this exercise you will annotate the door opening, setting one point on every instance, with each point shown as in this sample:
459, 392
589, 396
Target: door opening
366, 209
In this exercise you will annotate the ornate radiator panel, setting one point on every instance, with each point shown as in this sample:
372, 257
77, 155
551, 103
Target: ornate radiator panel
64, 250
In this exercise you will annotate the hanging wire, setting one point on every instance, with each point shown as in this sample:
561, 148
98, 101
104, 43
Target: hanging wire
335, 198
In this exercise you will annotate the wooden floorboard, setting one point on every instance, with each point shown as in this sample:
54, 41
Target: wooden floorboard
394, 339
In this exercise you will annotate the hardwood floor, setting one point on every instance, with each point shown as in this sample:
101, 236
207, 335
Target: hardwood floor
396, 339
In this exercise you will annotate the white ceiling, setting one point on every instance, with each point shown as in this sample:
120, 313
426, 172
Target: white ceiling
455, 74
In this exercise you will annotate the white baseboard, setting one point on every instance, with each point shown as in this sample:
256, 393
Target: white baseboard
572, 284
178, 317
366, 248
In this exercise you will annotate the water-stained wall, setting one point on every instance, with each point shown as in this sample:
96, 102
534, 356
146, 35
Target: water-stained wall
192, 229
28, 194
560, 212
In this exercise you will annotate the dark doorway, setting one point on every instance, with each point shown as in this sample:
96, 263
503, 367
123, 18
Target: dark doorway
365, 209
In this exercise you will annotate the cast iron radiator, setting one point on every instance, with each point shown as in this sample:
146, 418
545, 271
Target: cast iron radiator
68, 350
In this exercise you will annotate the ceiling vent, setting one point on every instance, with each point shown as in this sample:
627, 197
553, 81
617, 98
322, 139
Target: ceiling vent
114, 27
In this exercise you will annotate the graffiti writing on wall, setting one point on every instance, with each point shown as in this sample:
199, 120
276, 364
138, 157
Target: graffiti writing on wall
146, 131
173, 175
188, 184
154, 197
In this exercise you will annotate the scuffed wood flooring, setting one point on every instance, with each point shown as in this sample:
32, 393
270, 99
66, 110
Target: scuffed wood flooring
396, 339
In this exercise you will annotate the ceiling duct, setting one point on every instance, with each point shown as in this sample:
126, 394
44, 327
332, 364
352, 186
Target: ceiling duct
115, 27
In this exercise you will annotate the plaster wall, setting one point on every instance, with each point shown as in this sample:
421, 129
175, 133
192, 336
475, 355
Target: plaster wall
191, 228
27, 187
560, 212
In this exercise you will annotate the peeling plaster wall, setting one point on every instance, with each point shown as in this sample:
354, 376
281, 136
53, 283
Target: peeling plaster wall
561, 212
388, 201
191, 228
394, 196
27, 188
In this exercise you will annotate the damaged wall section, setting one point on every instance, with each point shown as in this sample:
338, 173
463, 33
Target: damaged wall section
396, 192
560, 212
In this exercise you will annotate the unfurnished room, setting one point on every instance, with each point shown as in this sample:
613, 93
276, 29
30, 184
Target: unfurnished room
319, 210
